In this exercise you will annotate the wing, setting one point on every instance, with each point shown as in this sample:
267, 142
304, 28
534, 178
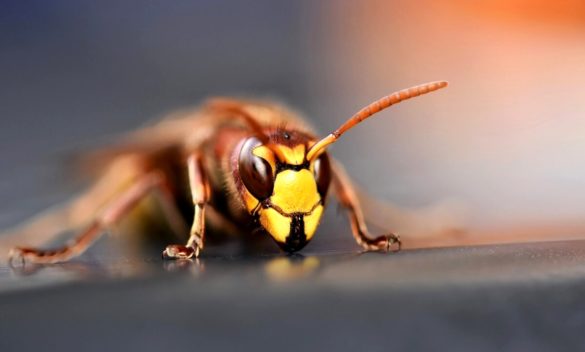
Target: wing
440, 219
189, 129
170, 133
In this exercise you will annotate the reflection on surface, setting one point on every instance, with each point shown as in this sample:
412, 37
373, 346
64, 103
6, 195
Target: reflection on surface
111, 258
74, 269
291, 267
221, 274
194, 267
272, 268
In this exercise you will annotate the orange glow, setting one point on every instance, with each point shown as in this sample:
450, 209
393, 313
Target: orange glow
506, 138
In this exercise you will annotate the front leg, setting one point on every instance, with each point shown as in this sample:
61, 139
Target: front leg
112, 213
200, 194
347, 197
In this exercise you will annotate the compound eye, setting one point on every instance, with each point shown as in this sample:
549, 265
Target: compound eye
255, 172
322, 169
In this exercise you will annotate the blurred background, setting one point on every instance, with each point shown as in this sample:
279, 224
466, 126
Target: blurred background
505, 140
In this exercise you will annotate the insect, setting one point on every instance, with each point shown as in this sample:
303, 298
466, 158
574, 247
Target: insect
242, 163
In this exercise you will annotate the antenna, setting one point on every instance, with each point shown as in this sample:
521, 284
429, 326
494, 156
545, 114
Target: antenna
372, 109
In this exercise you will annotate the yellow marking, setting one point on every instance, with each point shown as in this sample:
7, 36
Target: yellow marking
265, 153
295, 191
293, 156
312, 221
249, 200
277, 225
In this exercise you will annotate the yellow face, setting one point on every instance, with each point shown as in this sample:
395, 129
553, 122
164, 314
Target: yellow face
284, 191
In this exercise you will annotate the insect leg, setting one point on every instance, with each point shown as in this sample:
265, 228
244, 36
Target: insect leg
220, 222
200, 193
165, 197
111, 214
347, 197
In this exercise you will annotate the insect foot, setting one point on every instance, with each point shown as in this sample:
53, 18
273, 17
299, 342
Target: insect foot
178, 251
16, 258
389, 243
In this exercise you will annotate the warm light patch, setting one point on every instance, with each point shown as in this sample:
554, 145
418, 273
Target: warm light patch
283, 268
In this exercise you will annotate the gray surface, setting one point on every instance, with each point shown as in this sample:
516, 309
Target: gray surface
74, 72
512, 298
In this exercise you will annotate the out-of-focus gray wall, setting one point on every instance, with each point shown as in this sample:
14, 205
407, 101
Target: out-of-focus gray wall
74, 73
